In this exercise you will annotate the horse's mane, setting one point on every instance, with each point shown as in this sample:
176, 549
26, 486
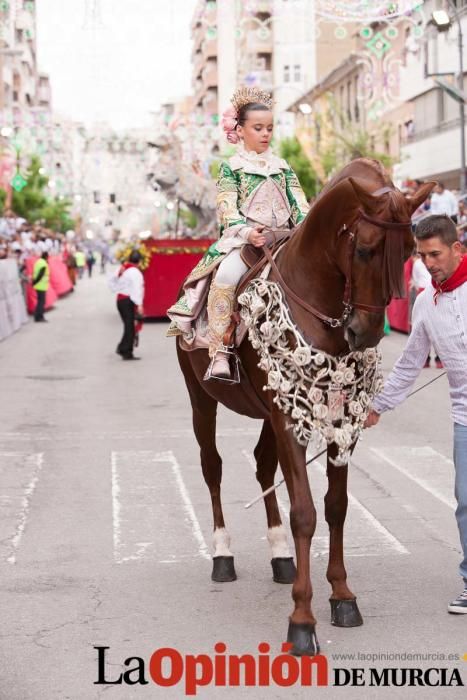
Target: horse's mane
373, 176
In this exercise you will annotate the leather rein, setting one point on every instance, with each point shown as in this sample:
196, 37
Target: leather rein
349, 305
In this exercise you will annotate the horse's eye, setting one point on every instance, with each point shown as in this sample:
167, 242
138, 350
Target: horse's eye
364, 254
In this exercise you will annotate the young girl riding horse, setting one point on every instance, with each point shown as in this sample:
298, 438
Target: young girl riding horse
256, 191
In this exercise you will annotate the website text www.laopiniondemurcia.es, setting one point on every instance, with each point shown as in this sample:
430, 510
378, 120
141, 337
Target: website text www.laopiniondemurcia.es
167, 667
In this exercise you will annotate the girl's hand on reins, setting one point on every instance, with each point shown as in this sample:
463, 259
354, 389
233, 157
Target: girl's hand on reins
257, 237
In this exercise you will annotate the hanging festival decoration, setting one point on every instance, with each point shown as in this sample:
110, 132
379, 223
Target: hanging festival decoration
18, 181
365, 10
381, 43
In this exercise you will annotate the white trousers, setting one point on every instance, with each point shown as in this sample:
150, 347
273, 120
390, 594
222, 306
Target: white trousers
231, 269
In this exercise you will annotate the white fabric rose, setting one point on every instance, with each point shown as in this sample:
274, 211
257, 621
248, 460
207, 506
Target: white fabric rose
257, 307
286, 386
315, 395
369, 356
338, 377
265, 364
274, 379
356, 408
297, 413
302, 356
320, 411
341, 438
319, 359
349, 375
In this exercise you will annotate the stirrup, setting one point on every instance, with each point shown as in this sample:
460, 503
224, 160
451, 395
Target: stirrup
233, 360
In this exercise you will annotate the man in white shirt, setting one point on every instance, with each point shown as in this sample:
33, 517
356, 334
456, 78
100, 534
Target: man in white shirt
439, 318
443, 201
129, 286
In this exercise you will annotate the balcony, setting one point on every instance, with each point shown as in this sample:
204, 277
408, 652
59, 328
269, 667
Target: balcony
209, 75
209, 48
198, 63
257, 44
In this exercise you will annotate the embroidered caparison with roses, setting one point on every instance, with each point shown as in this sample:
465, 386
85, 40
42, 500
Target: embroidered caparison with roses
327, 398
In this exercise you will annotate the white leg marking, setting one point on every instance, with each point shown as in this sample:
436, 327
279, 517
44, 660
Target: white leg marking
277, 538
221, 543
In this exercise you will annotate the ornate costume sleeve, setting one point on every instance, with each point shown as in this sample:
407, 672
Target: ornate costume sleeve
233, 229
296, 197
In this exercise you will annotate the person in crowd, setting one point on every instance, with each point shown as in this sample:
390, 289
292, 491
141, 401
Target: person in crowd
462, 223
439, 318
80, 262
443, 201
90, 260
128, 284
256, 190
419, 280
40, 283
70, 261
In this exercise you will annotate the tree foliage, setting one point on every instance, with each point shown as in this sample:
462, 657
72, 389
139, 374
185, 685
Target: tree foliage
291, 150
34, 204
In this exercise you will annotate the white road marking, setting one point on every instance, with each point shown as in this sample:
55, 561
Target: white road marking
32, 465
423, 462
146, 520
125, 435
203, 549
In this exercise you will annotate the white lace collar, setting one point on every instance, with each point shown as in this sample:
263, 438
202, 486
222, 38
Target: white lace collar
266, 163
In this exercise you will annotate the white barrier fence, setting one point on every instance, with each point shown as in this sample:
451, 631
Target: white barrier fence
12, 306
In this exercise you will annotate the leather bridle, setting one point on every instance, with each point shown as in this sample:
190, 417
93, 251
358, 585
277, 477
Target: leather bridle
348, 304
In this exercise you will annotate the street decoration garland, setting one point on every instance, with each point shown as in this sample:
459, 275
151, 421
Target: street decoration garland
328, 398
148, 251
124, 253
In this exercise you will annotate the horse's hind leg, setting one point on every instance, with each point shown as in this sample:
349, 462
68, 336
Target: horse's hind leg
344, 609
283, 567
204, 425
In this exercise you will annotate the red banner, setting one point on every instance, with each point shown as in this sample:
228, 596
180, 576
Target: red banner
171, 261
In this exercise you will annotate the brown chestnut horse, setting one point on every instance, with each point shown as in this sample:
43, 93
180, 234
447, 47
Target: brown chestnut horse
346, 261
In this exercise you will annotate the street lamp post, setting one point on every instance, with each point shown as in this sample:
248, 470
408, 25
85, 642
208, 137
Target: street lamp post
460, 44
443, 21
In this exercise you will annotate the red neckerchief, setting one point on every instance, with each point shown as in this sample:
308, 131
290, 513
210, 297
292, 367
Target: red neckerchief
125, 266
458, 277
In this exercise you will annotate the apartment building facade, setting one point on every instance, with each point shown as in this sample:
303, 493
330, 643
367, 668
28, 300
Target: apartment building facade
273, 44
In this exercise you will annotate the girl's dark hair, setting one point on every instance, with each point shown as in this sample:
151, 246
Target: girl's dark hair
250, 107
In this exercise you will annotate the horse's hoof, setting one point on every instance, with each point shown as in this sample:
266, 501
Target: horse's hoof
303, 638
223, 569
283, 569
345, 613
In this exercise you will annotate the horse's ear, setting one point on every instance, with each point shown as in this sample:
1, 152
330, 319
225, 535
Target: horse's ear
421, 194
370, 202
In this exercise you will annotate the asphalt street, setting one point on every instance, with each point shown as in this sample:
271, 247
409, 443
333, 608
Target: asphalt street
105, 524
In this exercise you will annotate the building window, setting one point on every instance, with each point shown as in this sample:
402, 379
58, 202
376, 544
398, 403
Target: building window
297, 73
286, 74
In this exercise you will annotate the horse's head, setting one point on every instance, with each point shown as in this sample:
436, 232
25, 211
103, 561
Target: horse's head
371, 250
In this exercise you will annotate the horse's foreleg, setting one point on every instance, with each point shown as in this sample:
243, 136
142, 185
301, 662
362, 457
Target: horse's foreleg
283, 567
292, 457
344, 609
204, 425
